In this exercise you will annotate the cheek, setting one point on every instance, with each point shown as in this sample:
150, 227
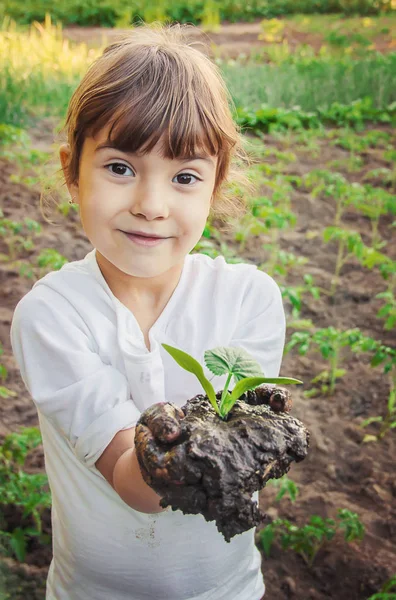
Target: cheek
197, 207
194, 216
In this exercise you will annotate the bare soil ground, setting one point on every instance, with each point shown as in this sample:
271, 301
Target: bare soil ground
230, 40
340, 471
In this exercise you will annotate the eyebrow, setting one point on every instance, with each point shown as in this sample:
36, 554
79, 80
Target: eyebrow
183, 160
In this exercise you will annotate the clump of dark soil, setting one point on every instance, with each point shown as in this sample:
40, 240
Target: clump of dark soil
214, 465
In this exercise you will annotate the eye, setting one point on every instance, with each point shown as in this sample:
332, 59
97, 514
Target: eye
188, 175
118, 165
122, 166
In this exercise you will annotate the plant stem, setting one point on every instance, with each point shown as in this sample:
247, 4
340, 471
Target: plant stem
339, 264
338, 212
392, 284
333, 367
375, 237
389, 416
225, 390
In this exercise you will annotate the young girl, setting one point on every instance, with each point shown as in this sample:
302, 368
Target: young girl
150, 146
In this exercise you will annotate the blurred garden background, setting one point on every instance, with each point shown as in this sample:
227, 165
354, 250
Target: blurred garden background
313, 89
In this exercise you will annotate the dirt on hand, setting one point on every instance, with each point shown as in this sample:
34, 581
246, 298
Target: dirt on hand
200, 463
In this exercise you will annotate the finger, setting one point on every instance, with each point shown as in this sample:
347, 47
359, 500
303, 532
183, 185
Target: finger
163, 418
164, 466
281, 400
277, 398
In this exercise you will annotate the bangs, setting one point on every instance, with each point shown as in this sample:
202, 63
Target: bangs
165, 99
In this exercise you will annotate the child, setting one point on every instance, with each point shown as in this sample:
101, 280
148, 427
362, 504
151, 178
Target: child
150, 143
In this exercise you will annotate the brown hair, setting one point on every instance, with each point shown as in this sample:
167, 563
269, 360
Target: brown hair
151, 81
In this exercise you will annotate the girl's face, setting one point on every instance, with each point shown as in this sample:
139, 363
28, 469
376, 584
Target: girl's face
120, 192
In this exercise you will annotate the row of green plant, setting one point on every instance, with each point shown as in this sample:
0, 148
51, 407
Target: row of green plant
268, 119
308, 539
114, 13
333, 345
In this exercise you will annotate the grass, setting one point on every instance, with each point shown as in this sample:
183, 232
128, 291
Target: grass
314, 82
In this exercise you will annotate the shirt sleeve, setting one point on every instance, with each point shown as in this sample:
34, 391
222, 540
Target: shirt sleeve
86, 400
261, 328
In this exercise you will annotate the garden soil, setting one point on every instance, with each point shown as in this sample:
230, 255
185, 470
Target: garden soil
339, 471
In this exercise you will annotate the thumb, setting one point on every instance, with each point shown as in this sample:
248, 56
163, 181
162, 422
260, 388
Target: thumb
164, 420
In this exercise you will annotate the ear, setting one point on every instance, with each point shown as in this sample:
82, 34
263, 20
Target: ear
64, 155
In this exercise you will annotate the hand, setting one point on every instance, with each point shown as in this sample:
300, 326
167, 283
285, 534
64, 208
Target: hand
158, 436
277, 398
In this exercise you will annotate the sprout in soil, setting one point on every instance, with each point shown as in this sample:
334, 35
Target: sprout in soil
226, 360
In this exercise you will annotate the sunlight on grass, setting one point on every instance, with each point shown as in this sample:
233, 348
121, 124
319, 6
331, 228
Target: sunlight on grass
39, 70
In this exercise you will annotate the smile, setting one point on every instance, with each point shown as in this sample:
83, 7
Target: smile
144, 241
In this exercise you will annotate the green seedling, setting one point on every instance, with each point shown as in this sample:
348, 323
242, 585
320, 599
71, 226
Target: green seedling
388, 310
213, 245
19, 488
48, 260
10, 231
387, 422
330, 342
294, 294
286, 486
380, 354
384, 175
333, 185
16, 146
373, 202
370, 258
370, 201
234, 362
308, 539
350, 244
387, 592
283, 263
268, 215
308, 141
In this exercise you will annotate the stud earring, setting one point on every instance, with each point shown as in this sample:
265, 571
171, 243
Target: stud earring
71, 201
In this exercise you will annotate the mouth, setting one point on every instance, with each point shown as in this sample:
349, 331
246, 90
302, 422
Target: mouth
143, 240
146, 235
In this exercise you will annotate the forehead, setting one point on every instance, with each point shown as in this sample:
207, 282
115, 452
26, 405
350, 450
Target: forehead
100, 142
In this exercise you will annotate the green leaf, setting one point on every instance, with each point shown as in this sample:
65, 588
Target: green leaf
18, 543
252, 382
189, 363
248, 384
370, 420
224, 360
226, 404
266, 538
392, 401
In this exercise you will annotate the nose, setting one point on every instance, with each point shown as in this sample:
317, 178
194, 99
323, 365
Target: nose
150, 200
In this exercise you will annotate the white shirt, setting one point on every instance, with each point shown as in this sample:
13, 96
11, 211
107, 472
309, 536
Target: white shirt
83, 359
